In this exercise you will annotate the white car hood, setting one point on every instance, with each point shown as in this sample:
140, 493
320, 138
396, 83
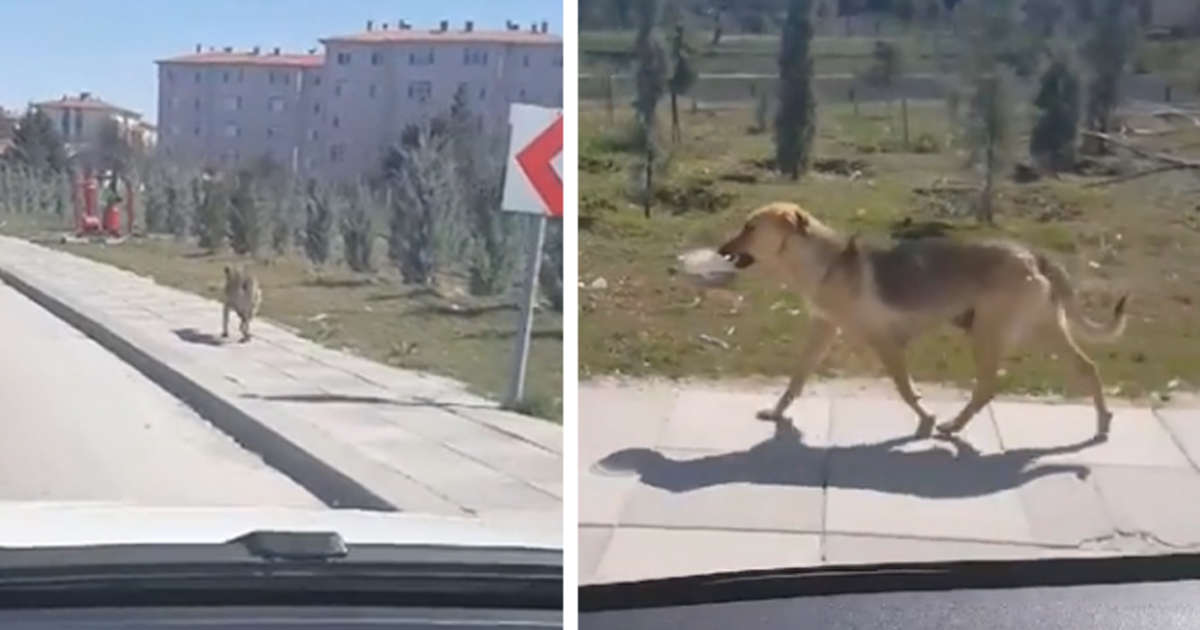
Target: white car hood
35, 524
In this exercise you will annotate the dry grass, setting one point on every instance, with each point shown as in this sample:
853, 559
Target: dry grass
372, 315
1142, 236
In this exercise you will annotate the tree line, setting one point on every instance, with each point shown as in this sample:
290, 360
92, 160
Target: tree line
432, 206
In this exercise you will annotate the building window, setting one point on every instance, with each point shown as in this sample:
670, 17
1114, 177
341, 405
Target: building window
196, 105
231, 130
241, 75
224, 77
525, 61
336, 152
66, 122
316, 108
483, 94
337, 122
276, 104
421, 58
314, 135
376, 58
337, 88
197, 77
287, 78
558, 61
270, 132
343, 59
170, 76
271, 77
420, 90
474, 57
231, 103
317, 80
196, 131
522, 95
371, 91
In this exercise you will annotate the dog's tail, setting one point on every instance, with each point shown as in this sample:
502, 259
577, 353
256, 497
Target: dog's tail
1063, 294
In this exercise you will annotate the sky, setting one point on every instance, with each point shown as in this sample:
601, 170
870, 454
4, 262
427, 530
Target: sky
53, 47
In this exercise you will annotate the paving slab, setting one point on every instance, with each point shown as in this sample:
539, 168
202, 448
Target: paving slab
1184, 427
642, 554
843, 549
773, 488
352, 432
1061, 434
1162, 504
615, 423
1063, 508
715, 420
593, 543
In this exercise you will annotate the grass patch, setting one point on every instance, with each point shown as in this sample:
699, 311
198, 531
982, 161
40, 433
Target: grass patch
371, 315
1142, 236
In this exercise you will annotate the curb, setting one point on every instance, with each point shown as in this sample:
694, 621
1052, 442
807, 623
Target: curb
325, 482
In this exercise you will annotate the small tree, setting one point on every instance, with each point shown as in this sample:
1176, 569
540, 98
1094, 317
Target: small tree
1052, 142
989, 131
212, 214
885, 68
357, 234
650, 79
37, 145
683, 76
318, 223
426, 213
1107, 51
796, 122
245, 216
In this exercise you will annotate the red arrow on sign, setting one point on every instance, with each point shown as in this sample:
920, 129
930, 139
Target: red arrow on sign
535, 159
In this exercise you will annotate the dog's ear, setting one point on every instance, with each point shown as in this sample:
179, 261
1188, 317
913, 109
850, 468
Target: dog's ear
799, 221
851, 247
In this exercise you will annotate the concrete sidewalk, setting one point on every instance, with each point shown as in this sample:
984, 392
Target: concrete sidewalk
353, 432
681, 479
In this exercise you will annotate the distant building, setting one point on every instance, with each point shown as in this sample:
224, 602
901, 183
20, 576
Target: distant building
80, 119
335, 114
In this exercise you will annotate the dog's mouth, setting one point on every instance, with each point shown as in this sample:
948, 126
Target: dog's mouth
740, 260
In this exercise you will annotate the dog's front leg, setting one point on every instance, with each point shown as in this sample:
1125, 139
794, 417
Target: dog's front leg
225, 319
820, 338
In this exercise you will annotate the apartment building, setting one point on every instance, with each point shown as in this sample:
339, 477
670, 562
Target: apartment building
80, 119
335, 114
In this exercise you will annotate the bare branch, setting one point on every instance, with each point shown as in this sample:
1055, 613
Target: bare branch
1160, 157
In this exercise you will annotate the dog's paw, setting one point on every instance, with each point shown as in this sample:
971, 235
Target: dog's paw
770, 415
949, 428
244, 339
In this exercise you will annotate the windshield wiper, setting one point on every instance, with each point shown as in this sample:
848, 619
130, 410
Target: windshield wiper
287, 568
885, 578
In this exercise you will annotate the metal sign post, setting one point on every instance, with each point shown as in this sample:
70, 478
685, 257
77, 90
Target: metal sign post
532, 185
533, 267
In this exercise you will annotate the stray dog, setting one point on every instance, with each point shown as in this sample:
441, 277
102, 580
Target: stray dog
243, 296
1000, 293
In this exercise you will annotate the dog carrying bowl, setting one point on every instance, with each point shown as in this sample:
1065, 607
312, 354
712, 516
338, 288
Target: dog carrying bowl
706, 267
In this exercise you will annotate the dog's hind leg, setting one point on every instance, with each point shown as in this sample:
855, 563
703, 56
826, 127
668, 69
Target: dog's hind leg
820, 338
892, 356
1086, 368
225, 320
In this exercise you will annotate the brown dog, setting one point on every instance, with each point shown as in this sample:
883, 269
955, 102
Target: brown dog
243, 295
1002, 294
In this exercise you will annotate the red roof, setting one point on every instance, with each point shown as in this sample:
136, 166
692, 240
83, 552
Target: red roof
416, 36
89, 102
247, 58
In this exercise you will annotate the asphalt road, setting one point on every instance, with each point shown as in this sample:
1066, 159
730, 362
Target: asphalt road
78, 424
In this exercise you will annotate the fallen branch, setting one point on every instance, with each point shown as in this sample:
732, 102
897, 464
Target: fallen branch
1125, 178
1160, 157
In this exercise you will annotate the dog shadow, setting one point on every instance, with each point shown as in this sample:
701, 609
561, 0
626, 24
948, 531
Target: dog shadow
191, 335
784, 459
